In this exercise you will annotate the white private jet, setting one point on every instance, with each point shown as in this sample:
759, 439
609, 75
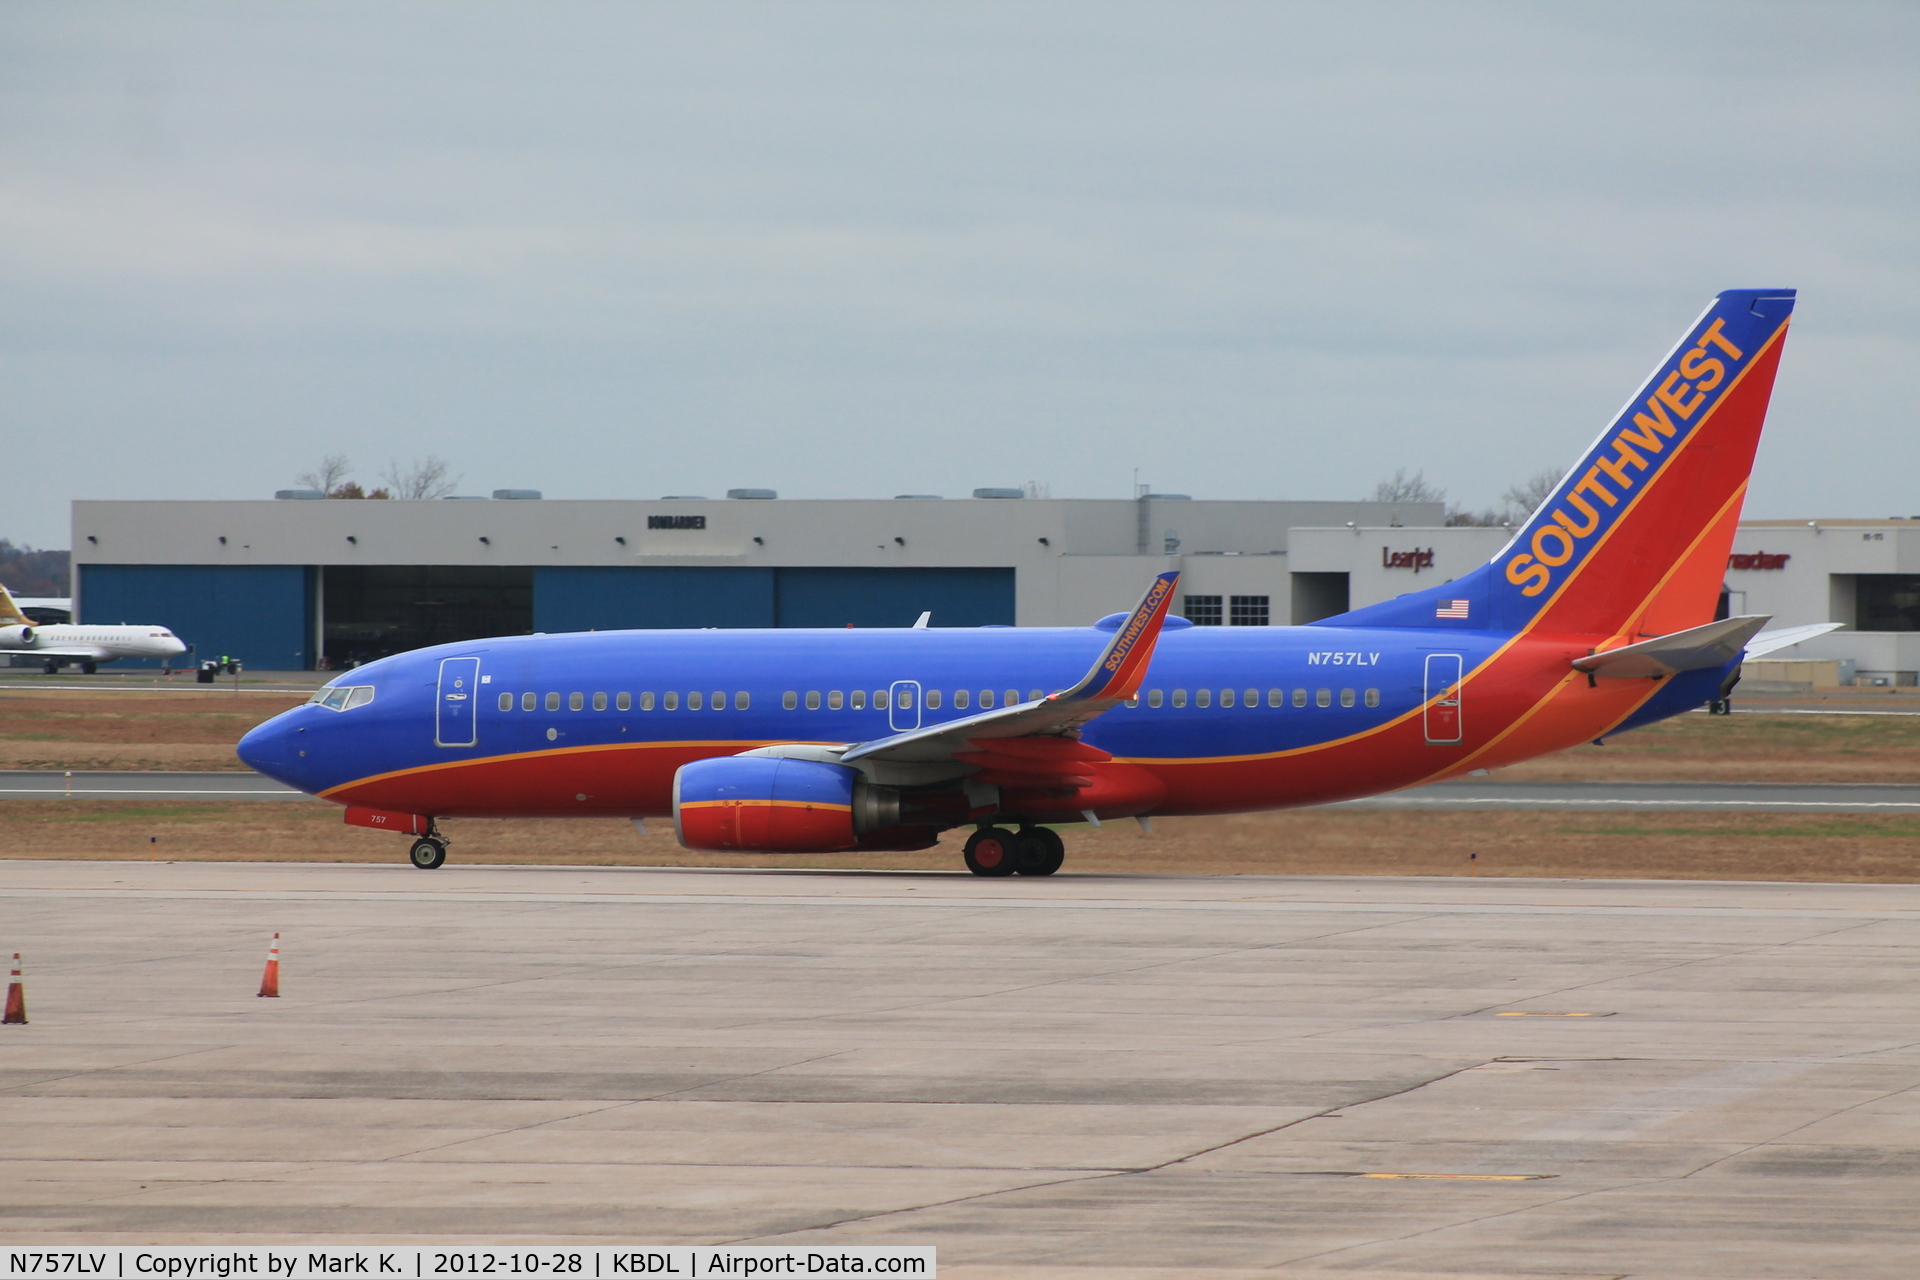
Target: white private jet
88, 646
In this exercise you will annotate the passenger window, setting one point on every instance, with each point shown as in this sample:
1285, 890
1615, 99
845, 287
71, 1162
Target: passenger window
1323, 697
880, 700
1226, 697
742, 700
1276, 697
624, 702
719, 702
1252, 697
1013, 698
790, 700
575, 701
961, 698
859, 699
1133, 703
1155, 697
646, 700
1373, 697
1299, 697
1346, 697
599, 702
553, 702
526, 702
836, 700
986, 699
696, 701
1034, 695
506, 702
363, 694
905, 700
1179, 697
933, 699
1203, 697
670, 700
813, 699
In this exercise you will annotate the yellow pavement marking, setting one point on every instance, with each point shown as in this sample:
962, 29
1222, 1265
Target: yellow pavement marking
1466, 1177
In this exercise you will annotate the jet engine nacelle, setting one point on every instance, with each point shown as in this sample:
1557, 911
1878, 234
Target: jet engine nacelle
16, 637
773, 805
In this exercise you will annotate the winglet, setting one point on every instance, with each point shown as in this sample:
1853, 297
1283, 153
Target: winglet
1121, 668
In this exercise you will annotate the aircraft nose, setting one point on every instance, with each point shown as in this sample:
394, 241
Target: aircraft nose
174, 645
264, 749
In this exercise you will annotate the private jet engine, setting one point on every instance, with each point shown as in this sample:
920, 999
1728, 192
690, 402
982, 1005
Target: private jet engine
16, 637
768, 804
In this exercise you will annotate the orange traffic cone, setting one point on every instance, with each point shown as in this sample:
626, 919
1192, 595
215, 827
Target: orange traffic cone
270, 980
16, 996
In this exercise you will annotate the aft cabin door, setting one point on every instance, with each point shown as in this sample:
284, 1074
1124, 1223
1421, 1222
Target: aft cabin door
1443, 698
455, 724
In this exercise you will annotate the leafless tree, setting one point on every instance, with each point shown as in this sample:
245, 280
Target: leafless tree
428, 477
1401, 487
327, 476
1523, 499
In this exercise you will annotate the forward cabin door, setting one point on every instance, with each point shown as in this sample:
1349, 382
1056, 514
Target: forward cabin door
1443, 698
903, 705
455, 724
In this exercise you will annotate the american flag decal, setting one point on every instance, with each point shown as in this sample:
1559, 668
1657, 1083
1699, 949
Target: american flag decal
1451, 609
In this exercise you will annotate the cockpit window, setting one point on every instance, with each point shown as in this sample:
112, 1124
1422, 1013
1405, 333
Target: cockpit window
343, 697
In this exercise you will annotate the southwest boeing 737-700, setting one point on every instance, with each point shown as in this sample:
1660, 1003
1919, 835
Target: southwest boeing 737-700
1597, 617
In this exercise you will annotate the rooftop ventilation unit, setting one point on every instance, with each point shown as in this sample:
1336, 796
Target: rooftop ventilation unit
683, 497
999, 493
302, 495
757, 494
516, 495
1169, 497
900, 497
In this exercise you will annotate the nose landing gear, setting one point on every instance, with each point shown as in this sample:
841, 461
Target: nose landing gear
427, 853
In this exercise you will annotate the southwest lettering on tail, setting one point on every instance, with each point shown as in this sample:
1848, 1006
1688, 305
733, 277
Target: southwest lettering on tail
1634, 454
1502, 663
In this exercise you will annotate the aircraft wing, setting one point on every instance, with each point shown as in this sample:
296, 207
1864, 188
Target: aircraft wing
1768, 641
1114, 678
1695, 649
88, 651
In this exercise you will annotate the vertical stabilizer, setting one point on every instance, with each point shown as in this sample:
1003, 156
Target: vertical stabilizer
1635, 538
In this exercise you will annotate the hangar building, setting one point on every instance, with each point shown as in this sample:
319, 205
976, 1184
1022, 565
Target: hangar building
289, 584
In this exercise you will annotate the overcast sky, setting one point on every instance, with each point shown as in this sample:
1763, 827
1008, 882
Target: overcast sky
1253, 250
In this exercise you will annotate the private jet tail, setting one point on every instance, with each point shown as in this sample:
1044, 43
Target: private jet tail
10, 615
1634, 540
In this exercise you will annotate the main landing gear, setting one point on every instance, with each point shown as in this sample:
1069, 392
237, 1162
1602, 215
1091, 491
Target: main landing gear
429, 852
1032, 851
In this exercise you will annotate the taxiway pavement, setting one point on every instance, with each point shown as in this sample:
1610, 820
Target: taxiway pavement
1086, 1075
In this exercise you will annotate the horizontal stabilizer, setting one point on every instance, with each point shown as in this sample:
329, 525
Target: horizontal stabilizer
1695, 649
1769, 641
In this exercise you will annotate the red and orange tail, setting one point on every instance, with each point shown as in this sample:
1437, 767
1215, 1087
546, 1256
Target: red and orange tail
1634, 540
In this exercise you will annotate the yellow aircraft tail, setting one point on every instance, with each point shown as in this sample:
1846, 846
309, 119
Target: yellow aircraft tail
10, 615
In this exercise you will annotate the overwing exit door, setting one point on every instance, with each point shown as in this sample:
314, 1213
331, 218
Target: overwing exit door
455, 724
903, 705
1443, 698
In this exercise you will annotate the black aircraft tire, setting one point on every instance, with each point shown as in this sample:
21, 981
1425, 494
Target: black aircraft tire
87, 669
993, 852
1042, 851
427, 854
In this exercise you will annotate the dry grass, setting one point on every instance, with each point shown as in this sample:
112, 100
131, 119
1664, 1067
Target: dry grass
1746, 846
128, 729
